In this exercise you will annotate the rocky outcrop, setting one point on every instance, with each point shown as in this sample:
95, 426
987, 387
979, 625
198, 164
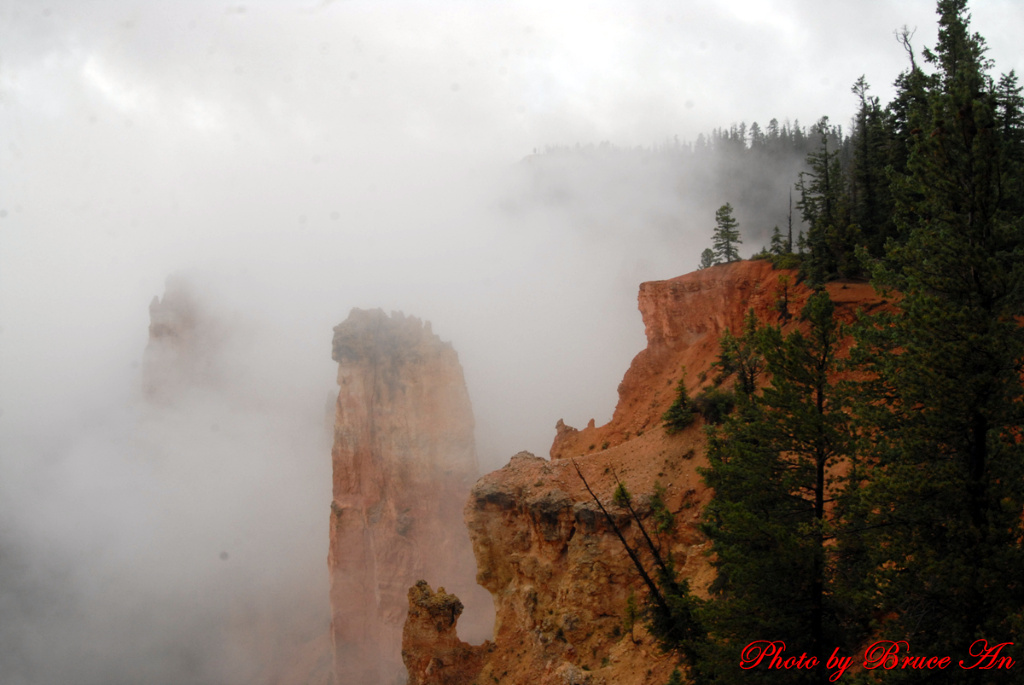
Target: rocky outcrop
684, 318
559, 576
403, 460
431, 649
185, 343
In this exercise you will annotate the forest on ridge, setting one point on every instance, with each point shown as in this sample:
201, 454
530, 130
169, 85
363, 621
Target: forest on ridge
872, 491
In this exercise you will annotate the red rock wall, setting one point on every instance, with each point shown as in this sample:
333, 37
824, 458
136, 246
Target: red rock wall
403, 460
684, 317
683, 320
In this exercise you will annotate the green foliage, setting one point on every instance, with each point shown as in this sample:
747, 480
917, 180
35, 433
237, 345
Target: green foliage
714, 404
707, 258
632, 613
727, 235
675, 621
825, 208
778, 245
664, 520
787, 260
676, 678
782, 298
778, 549
680, 414
621, 497
943, 409
871, 201
740, 357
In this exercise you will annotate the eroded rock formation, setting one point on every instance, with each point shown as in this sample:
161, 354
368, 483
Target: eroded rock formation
684, 317
404, 460
431, 649
185, 343
559, 576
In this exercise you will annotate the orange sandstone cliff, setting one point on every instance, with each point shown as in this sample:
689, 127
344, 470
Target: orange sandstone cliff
404, 460
559, 577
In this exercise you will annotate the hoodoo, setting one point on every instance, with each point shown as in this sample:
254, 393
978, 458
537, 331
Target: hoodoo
185, 342
404, 460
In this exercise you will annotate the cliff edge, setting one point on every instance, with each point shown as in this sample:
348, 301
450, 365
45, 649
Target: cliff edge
560, 579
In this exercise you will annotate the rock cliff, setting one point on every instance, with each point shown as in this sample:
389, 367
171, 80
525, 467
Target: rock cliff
185, 343
559, 577
684, 317
403, 463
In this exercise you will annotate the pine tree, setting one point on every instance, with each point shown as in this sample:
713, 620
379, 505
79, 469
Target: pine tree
776, 521
903, 114
727, 235
741, 357
823, 204
778, 244
943, 414
680, 414
756, 137
707, 258
870, 199
1010, 120
672, 612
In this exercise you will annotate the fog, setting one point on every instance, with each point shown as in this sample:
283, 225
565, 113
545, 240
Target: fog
298, 159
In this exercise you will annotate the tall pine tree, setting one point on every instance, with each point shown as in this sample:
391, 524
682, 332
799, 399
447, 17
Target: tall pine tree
870, 199
727, 235
943, 419
776, 521
825, 208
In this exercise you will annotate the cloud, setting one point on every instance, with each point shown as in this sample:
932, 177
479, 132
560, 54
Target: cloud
311, 157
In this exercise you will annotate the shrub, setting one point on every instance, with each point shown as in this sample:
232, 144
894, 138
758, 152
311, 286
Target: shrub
664, 520
714, 404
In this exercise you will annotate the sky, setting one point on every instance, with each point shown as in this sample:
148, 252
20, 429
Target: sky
301, 158
322, 155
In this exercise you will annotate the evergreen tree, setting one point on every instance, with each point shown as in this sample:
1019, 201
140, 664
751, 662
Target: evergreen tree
727, 235
756, 137
778, 245
943, 413
825, 209
903, 114
707, 258
776, 521
680, 414
1010, 120
789, 221
870, 199
741, 357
